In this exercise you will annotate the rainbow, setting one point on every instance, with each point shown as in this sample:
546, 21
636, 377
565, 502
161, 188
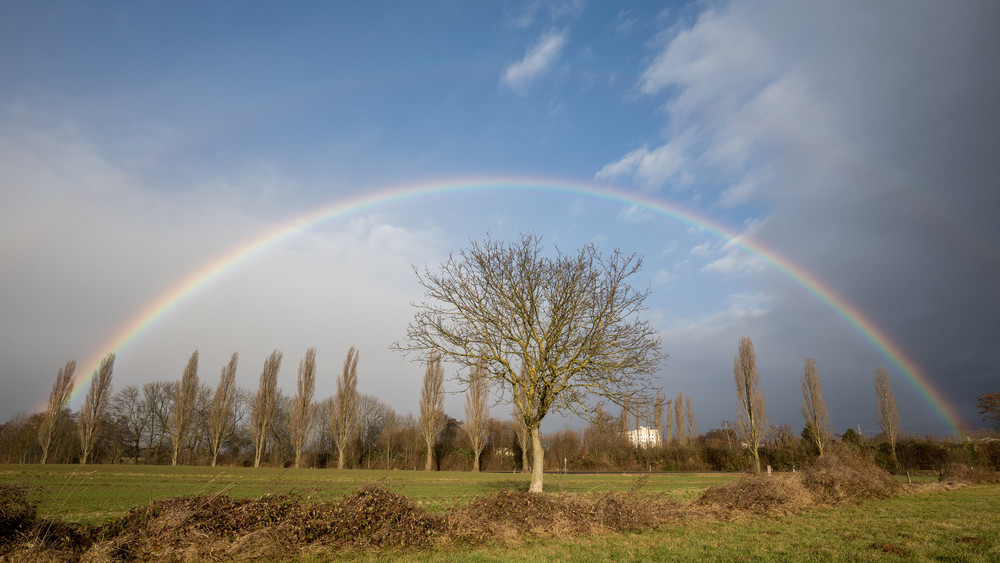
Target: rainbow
224, 263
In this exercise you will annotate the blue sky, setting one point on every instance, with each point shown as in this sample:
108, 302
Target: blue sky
140, 141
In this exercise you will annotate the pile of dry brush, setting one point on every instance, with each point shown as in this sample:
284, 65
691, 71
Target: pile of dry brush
276, 527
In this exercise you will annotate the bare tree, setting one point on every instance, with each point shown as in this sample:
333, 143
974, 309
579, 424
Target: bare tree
301, 415
345, 406
477, 414
221, 418
814, 407
185, 394
157, 402
692, 424
126, 406
669, 436
682, 437
571, 320
431, 419
264, 408
625, 418
95, 407
988, 405
390, 426
61, 390
888, 416
658, 417
752, 420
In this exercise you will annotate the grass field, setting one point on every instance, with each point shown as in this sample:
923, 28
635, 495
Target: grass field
953, 525
93, 494
959, 525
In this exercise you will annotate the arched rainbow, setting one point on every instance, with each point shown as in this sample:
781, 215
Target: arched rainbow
188, 286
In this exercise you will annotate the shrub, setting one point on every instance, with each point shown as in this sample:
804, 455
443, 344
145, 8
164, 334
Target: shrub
776, 495
842, 475
957, 473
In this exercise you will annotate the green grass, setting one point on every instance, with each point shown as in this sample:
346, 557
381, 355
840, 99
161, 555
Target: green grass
957, 525
94, 494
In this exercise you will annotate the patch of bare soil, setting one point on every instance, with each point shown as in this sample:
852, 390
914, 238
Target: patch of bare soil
891, 548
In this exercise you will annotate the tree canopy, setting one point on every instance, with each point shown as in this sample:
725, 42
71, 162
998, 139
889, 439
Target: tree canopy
551, 332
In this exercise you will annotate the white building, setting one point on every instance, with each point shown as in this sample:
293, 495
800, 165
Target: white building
644, 437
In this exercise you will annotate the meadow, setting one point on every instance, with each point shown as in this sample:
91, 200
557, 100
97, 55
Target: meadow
94, 494
925, 522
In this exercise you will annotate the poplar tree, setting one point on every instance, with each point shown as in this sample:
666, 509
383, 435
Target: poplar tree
477, 414
301, 415
344, 419
95, 408
264, 408
185, 394
221, 417
61, 391
888, 416
814, 411
431, 420
752, 419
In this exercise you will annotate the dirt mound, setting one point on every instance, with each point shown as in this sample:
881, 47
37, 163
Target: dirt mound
842, 475
776, 495
508, 514
272, 527
958, 474
26, 537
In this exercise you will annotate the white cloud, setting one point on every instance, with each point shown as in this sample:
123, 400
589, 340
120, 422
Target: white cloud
537, 62
663, 276
703, 250
652, 169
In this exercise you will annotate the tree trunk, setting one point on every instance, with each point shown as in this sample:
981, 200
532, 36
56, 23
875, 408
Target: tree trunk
475, 463
340, 458
537, 463
429, 466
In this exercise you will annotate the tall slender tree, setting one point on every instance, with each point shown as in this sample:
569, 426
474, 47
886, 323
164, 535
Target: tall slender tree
95, 408
345, 406
477, 414
814, 411
752, 420
668, 437
658, 418
61, 390
302, 411
185, 394
692, 424
888, 416
431, 419
264, 408
679, 417
221, 417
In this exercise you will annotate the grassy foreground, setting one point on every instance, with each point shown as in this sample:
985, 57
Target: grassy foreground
94, 494
957, 525
922, 525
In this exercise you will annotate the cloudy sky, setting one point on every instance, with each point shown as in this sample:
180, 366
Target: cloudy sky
851, 144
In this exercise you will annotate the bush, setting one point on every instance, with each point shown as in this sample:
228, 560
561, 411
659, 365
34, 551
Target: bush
957, 473
776, 495
844, 475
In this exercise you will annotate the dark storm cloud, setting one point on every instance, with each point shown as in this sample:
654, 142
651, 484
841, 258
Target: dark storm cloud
868, 133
